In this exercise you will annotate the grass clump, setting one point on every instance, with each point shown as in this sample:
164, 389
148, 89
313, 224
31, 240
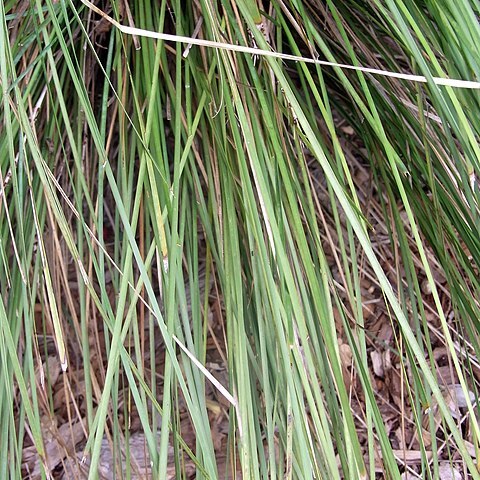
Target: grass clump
226, 265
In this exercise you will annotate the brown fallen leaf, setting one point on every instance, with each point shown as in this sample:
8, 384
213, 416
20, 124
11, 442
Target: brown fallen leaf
59, 444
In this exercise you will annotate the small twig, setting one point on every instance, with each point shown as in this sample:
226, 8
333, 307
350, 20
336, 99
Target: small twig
198, 26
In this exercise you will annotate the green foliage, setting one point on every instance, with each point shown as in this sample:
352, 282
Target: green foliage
147, 187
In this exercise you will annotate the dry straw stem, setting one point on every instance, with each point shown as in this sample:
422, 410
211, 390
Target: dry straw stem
449, 82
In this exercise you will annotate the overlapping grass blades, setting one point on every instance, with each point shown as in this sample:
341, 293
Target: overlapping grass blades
129, 165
